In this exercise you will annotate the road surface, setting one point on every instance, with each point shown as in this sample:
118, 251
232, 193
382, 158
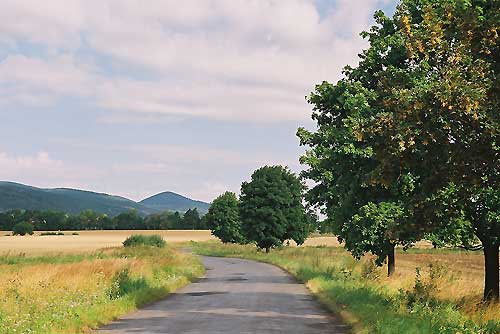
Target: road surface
236, 296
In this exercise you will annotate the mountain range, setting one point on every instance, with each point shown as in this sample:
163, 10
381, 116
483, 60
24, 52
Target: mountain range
20, 196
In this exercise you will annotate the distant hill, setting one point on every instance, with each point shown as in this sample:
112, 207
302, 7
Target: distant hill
174, 202
19, 196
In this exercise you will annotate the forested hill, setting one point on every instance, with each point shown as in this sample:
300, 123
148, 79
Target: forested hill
19, 196
169, 201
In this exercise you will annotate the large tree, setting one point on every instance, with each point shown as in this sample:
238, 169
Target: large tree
344, 170
424, 99
271, 208
224, 220
440, 119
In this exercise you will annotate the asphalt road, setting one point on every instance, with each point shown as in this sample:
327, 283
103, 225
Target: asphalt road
236, 296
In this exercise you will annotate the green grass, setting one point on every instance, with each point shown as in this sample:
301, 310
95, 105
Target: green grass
22, 259
367, 306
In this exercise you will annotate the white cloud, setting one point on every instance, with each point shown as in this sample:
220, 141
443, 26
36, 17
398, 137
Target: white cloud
222, 59
35, 81
31, 169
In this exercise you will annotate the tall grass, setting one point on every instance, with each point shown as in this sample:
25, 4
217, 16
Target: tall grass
78, 292
437, 300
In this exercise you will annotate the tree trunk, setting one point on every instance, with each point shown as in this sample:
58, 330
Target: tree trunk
491, 274
267, 249
391, 261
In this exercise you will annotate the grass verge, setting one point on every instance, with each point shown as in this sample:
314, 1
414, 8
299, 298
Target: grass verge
365, 299
75, 293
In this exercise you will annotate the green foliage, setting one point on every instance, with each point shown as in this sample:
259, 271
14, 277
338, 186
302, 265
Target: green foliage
22, 228
415, 124
91, 220
376, 228
122, 284
224, 220
191, 219
271, 209
144, 240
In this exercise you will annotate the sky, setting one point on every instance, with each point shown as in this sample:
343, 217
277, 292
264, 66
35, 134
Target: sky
133, 98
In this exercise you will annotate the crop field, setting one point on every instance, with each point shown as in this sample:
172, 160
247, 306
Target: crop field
87, 241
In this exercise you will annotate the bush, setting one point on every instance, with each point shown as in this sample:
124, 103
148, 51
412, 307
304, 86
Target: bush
144, 240
424, 292
51, 233
22, 228
75, 233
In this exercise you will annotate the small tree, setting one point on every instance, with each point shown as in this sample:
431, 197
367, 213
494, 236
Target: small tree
22, 228
378, 228
271, 209
223, 219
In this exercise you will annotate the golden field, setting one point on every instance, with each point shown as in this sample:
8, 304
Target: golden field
87, 240
93, 240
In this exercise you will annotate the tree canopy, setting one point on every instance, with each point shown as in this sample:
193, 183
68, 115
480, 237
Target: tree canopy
271, 208
415, 128
224, 220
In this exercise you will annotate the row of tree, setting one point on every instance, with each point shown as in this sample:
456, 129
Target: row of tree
268, 212
50, 220
407, 145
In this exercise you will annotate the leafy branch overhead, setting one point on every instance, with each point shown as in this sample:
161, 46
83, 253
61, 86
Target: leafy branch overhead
406, 145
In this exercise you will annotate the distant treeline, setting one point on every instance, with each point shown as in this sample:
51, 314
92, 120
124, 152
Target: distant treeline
89, 220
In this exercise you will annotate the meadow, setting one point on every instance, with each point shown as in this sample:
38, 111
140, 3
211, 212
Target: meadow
73, 291
445, 297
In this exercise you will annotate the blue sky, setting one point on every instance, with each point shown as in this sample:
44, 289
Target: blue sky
192, 96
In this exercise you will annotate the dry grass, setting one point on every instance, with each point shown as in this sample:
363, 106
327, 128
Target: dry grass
43, 297
87, 240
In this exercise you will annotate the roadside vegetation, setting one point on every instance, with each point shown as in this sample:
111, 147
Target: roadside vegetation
445, 296
74, 293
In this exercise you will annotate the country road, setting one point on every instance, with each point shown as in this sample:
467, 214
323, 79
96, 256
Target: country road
236, 296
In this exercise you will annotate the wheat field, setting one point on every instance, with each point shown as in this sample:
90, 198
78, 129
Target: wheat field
87, 241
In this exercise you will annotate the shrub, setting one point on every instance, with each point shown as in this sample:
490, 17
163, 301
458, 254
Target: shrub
22, 228
424, 292
144, 240
75, 233
51, 233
